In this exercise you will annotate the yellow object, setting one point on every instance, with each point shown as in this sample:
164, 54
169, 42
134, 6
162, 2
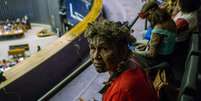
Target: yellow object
160, 80
44, 33
16, 51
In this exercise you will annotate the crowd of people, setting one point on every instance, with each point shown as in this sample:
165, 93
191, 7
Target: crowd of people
170, 30
18, 25
7, 64
172, 22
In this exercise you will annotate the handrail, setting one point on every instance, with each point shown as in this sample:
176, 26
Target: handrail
133, 22
36, 59
189, 80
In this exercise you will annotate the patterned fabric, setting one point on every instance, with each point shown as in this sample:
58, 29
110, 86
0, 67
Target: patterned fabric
167, 41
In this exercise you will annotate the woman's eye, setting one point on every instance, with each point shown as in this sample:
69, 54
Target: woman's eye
105, 49
92, 47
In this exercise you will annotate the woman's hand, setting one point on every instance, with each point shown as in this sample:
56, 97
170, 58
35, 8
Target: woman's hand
140, 46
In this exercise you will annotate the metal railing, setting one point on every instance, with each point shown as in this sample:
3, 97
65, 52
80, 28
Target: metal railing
65, 81
189, 82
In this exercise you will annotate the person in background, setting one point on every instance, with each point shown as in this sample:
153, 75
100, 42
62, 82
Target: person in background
162, 41
186, 23
38, 48
27, 22
109, 52
4, 64
186, 20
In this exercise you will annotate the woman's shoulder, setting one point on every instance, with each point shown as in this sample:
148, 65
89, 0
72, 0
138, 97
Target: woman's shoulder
158, 26
132, 77
167, 25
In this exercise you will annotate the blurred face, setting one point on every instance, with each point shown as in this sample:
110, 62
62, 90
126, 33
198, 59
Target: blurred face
143, 15
104, 55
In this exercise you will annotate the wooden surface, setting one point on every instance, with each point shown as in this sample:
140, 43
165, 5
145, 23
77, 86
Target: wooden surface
36, 59
13, 33
16, 51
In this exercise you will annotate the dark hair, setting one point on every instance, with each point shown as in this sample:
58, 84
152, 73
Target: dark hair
115, 32
189, 5
159, 16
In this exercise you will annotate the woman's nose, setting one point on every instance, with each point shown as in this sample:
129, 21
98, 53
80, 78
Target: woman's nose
97, 54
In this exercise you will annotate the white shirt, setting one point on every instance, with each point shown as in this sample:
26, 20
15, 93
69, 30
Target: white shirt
192, 20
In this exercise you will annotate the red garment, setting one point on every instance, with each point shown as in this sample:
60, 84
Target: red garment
182, 24
131, 85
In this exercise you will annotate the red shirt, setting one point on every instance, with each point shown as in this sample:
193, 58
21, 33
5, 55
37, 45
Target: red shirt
131, 85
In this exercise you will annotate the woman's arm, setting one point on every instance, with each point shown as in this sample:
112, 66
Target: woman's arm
152, 47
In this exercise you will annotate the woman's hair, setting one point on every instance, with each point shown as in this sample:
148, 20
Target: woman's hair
115, 32
189, 5
159, 16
